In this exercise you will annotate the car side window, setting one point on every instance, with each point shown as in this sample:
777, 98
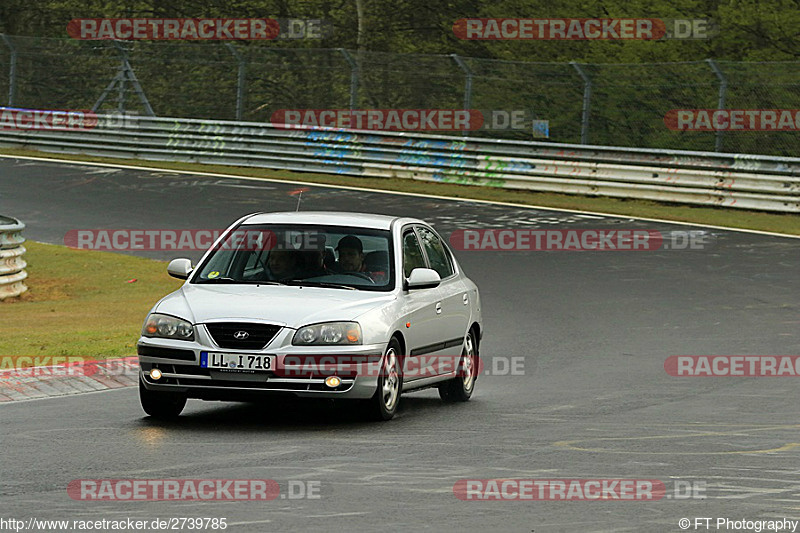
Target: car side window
438, 257
412, 253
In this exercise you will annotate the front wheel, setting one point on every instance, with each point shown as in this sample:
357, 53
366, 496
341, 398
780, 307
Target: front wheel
161, 405
383, 405
459, 389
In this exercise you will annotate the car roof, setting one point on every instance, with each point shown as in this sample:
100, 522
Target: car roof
328, 218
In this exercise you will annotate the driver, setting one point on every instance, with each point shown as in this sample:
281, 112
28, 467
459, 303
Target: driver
352, 259
351, 254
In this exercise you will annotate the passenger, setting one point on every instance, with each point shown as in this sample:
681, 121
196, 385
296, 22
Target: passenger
283, 263
313, 256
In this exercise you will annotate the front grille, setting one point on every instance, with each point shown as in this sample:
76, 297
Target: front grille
167, 353
258, 335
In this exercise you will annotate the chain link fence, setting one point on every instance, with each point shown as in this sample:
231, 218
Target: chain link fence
604, 104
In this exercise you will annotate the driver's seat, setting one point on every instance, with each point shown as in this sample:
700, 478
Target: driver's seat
377, 263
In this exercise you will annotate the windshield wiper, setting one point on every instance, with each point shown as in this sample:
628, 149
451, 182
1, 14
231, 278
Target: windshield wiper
241, 281
218, 280
305, 283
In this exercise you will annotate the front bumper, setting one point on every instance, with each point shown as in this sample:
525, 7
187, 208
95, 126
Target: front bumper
296, 372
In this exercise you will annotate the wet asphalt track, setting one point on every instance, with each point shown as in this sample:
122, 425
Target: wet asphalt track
594, 400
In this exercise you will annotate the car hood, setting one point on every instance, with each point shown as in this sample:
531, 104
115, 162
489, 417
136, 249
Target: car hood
285, 305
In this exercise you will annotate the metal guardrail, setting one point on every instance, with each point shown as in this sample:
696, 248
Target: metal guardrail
745, 181
12, 264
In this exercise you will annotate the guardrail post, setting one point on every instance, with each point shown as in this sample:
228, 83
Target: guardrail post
467, 85
12, 70
12, 265
587, 99
240, 80
353, 77
723, 89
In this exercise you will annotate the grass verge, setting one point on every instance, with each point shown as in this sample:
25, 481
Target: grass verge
714, 216
81, 303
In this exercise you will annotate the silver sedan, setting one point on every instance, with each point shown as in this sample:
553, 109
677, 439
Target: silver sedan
314, 304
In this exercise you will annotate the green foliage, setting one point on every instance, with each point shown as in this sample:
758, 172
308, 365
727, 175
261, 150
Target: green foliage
749, 29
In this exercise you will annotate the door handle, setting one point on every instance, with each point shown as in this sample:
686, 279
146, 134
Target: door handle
438, 308
466, 299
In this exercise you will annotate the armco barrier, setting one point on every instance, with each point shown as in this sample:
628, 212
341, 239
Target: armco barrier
12, 264
766, 183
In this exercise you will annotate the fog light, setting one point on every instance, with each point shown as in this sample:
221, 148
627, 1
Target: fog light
333, 381
155, 374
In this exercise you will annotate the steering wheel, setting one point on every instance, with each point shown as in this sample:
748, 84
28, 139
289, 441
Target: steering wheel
358, 275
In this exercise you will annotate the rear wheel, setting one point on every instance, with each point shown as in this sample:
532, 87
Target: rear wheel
161, 405
383, 405
459, 389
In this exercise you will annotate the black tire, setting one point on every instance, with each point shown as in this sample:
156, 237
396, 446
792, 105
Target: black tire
383, 404
460, 388
161, 405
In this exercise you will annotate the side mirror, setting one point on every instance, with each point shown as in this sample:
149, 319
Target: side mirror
179, 268
423, 278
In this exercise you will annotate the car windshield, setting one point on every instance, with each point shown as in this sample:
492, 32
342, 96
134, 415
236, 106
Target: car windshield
307, 255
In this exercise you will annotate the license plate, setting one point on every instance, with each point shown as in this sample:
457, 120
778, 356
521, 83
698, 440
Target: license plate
235, 361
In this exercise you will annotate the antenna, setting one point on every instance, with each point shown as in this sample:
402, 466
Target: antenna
299, 192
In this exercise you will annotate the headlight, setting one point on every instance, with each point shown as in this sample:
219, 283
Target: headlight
328, 333
167, 327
